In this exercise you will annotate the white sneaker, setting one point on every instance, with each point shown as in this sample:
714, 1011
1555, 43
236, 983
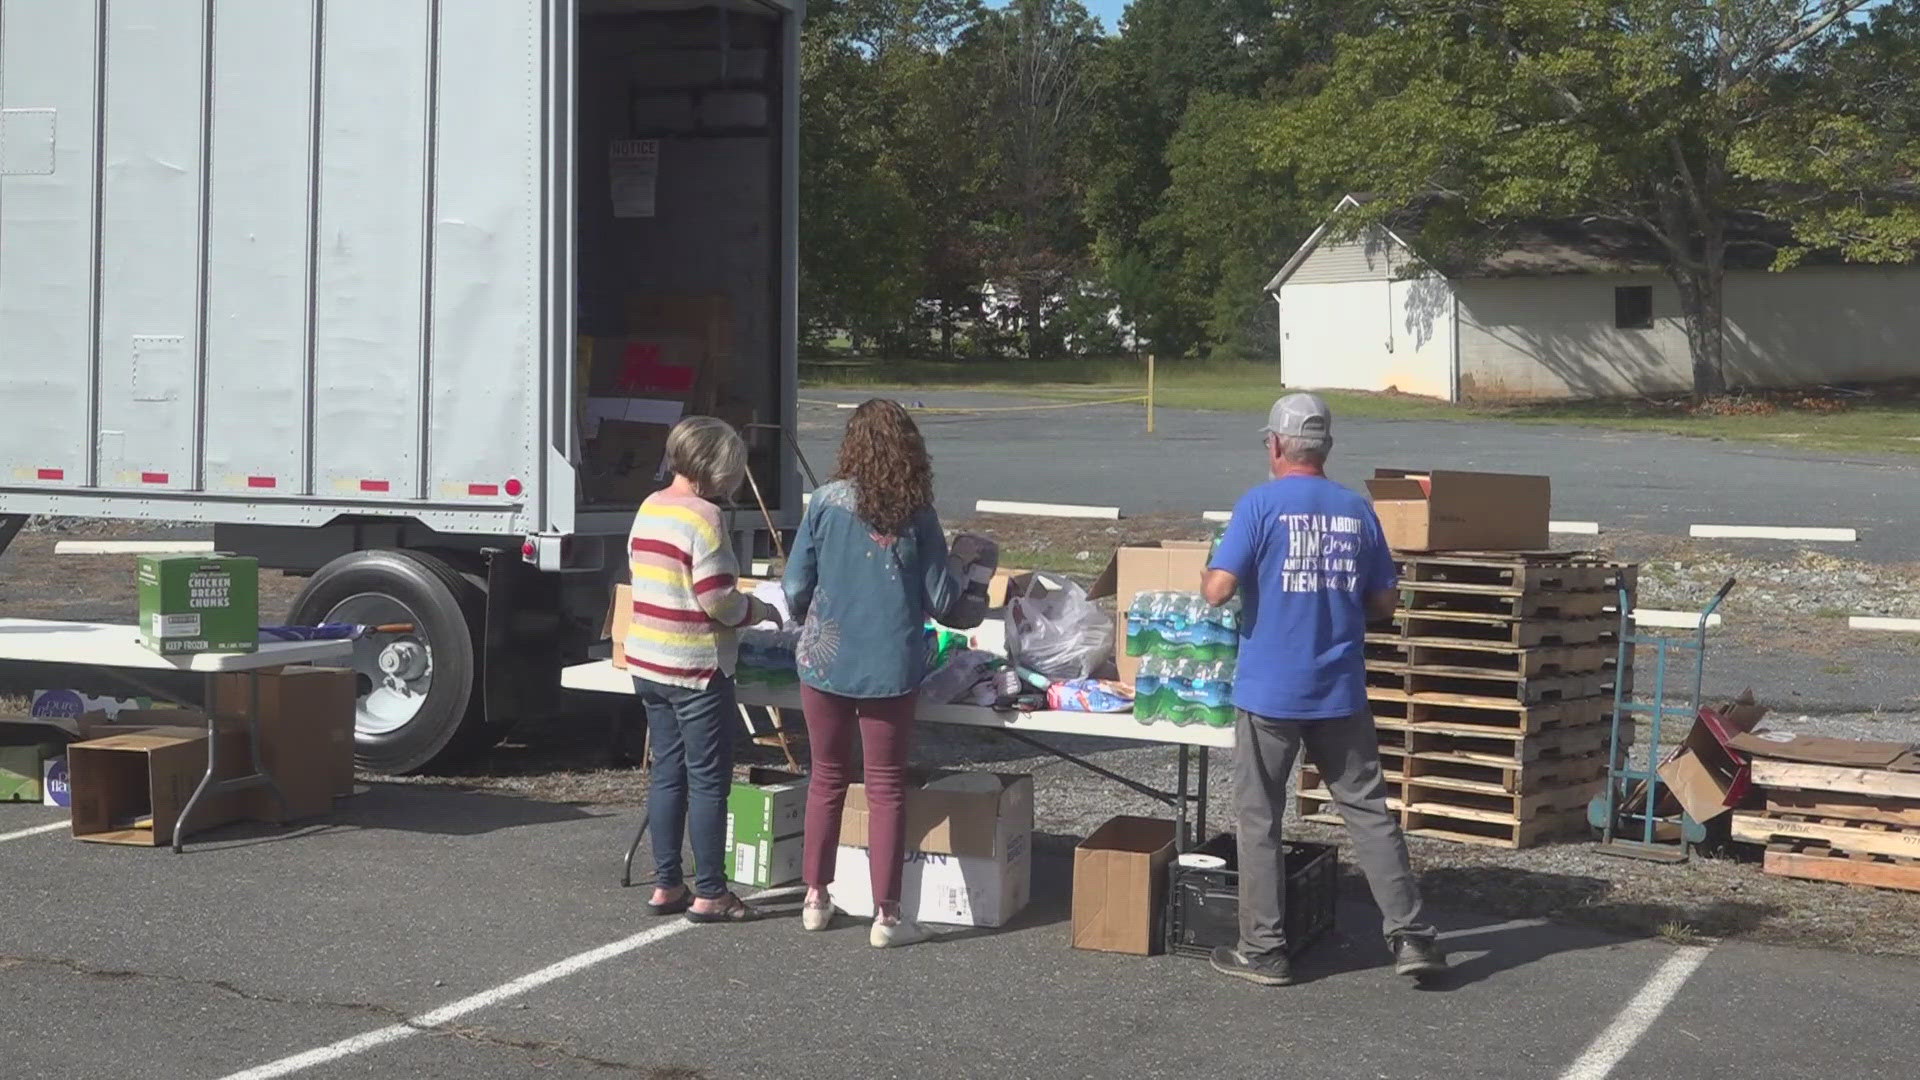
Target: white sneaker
816, 918
894, 935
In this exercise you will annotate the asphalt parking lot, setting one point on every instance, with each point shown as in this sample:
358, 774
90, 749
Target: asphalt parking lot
1200, 461
432, 933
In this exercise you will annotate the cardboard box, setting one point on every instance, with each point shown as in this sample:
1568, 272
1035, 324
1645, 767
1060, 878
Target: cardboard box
969, 857
619, 617
306, 735
1817, 750
130, 788
1169, 564
1442, 510
199, 603
23, 771
1705, 775
627, 462
705, 320
54, 788
72, 705
950, 813
1120, 886
766, 814
767, 863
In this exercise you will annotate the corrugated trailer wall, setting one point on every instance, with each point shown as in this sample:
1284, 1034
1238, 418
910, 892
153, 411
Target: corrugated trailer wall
319, 251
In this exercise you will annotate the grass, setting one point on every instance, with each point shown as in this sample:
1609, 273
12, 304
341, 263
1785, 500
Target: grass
1888, 423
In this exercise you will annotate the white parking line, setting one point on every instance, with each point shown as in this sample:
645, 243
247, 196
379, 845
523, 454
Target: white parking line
1771, 532
1217, 517
446, 1014
22, 834
1610, 1046
1677, 620
1578, 528
1875, 622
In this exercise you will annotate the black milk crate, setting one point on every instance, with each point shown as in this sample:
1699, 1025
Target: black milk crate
1203, 906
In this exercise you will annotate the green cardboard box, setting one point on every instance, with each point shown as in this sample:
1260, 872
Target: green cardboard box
21, 771
199, 603
766, 814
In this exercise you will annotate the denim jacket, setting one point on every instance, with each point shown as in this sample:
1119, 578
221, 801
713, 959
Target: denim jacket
863, 599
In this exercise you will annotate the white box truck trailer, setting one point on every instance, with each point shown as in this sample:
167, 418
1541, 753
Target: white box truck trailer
316, 272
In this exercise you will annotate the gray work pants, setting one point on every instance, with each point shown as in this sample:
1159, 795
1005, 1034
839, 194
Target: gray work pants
1347, 753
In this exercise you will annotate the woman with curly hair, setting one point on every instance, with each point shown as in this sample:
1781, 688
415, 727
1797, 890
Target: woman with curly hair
867, 570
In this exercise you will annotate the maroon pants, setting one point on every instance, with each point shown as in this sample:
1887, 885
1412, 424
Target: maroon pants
886, 727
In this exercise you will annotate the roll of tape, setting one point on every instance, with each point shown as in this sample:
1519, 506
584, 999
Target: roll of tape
1194, 860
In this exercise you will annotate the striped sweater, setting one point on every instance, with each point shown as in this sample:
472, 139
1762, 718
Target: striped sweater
686, 606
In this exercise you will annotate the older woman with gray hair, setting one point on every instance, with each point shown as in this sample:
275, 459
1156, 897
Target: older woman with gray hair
681, 646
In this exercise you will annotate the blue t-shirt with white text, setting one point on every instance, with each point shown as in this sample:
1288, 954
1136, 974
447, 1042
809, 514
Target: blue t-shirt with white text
1306, 552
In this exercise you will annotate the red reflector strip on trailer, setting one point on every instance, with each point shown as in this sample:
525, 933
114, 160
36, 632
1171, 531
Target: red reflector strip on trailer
483, 489
153, 478
262, 482
52, 474
375, 485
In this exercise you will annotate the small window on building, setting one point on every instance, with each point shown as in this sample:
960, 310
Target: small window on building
1633, 307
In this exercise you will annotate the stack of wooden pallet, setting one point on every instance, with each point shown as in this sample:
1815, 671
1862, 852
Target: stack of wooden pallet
1493, 695
1857, 826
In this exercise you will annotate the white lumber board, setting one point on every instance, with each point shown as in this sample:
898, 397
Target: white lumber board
1579, 528
1059, 510
1218, 517
1773, 532
133, 547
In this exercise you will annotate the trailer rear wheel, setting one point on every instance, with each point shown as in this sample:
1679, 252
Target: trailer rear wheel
421, 703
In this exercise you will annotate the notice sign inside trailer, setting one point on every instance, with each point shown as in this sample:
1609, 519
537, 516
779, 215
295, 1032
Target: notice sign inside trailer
636, 176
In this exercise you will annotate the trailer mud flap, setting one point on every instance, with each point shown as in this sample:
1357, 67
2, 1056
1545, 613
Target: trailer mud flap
520, 655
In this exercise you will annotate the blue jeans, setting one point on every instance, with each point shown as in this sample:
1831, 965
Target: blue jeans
692, 736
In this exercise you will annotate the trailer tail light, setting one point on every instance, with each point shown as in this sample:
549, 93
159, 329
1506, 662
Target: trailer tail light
514, 487
262, 482
483, 490
153, 478
378, 487
556, 552
52, 474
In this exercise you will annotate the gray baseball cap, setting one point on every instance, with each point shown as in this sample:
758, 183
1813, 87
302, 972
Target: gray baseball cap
1301, 416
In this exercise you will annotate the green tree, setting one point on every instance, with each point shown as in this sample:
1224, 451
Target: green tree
1669, 117
1036, 55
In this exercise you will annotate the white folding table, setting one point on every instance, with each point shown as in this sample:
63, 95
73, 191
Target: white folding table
603, 678
115, 652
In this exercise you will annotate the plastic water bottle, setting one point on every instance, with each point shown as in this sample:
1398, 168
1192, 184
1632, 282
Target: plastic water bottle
1178, 697
1139, 623
1216, 695
1146, 690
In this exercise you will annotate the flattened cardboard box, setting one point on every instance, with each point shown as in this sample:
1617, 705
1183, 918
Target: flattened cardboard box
1446, 510
1167, 565
1818, 750
1120, 886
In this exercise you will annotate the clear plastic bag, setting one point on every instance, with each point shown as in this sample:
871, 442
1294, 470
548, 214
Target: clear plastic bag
1053, 629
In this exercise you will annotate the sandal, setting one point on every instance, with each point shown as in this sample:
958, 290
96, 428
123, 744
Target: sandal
735, 910
672, 907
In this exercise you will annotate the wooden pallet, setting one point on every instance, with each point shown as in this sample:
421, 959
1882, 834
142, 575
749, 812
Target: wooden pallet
1505, 778
1424, 597
1475, 660
1866, 838
1491, 831
1517, 573
1814, 861
1494, 687
1482, 716
1835, 806
1506, 753
1316, 804
1439, 797
1462, 630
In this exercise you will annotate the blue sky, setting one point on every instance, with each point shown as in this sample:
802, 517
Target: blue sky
1107, 11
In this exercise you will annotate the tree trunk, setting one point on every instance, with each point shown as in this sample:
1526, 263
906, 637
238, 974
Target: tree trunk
1703, 305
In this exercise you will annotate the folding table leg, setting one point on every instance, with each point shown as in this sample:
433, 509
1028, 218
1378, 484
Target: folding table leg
1200, 803
1180, 800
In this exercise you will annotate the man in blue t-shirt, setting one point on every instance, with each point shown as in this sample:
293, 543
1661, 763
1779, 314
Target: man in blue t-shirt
1312, 569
